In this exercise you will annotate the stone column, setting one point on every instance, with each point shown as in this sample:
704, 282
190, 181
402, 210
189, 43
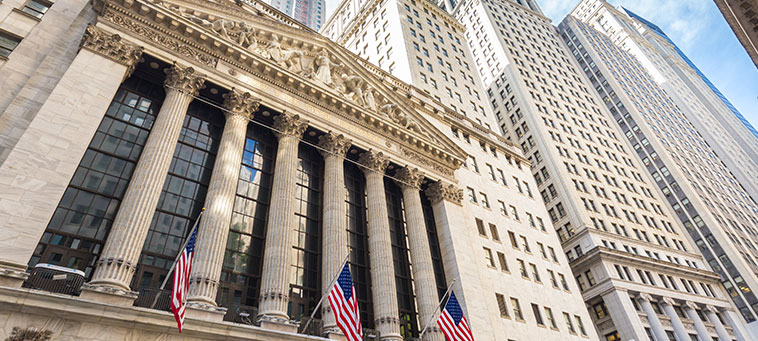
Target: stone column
702, 332
118, 261
736, 322
624, 315
676, 322
652, 317
427, 298
386, 314
36, 171
334, 230
213, 229
272, 306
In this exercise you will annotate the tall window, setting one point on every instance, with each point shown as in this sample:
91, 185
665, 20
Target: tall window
305, 283
434, 246
243, 259
183, 193
8, 43
355, 199
405, 298
37, 8
79, 227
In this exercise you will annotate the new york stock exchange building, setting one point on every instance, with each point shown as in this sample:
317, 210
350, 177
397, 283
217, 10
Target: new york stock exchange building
123, 120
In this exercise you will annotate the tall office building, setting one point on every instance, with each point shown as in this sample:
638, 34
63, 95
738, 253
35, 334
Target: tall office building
637, 270
742, 16
517, 285
310, 13
727, 132
707, 199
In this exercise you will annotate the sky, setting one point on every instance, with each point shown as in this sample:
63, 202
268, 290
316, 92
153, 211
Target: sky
701, 32
699, 29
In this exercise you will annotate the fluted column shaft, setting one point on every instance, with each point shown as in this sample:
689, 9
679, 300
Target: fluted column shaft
118, 261
213, 230
386, 314
676, 322
652, 318
629, 326
702, 332
421, 255
334, 231
281, 219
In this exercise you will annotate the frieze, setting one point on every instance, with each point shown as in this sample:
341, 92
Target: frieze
29, 334
414, 156
161, 38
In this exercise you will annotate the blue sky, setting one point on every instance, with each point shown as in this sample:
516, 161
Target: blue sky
699, 29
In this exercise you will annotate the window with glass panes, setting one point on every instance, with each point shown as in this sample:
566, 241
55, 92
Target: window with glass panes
355, 199
243, 259
434, 246
305, 270
183, 193
405, 297
79, 227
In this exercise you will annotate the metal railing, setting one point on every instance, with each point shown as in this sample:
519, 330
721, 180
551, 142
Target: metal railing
154, 298
57, 279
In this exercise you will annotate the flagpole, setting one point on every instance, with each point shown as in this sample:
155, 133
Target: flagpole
165, 280
328, 289
450, 287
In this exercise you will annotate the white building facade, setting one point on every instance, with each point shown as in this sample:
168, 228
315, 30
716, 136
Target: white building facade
639, 274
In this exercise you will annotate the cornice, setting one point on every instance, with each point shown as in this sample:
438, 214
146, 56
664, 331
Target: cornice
157, 26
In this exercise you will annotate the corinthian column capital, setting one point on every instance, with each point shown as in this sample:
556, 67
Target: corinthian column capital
289, 125
112, 47
411, 177
241, 103
375, 161
439, 191
184, 79
334, 143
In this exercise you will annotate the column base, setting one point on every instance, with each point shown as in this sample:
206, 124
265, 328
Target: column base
206, 312
109, 295
275, 323
12, 275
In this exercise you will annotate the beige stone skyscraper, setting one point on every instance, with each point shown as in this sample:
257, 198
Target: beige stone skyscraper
638, 272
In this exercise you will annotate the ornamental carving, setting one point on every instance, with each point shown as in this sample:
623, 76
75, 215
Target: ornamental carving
375, 161
439, 191
184, 79
407, 176
112, 47
29, 334
426, 162
289, 125
241, 103
333, 143
160, 38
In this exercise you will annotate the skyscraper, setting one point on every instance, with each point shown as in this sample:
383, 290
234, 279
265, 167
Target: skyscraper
310, 13
628, 252
718, 214
727, 132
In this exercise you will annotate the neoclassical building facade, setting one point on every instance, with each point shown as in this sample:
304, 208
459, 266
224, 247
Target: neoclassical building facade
123, 120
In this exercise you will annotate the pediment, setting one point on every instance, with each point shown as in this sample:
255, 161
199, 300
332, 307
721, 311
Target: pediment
249, 32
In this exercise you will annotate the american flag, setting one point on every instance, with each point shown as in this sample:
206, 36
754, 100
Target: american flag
345, 306
453, 323
181, 280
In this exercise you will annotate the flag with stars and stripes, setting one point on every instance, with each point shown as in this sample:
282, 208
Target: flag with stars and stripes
344, 304
181, 280
453, 323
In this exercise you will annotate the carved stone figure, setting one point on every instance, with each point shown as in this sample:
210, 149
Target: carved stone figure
393, 112
351, 88
323, 67
369, 99
288, 58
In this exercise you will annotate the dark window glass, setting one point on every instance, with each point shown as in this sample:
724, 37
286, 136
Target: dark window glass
243, 260
405, 297
305, 272
434, 246
360, 268
8, 43
183, 193
79, 227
